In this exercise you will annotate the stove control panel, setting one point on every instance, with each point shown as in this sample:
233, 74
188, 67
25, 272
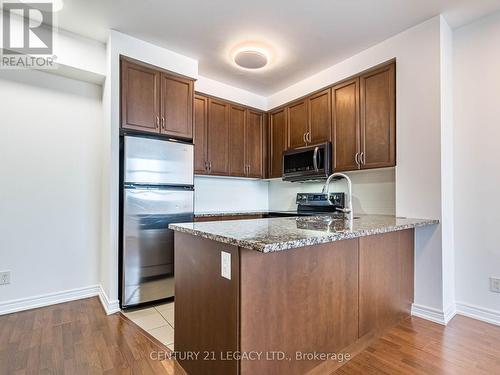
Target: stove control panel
320, 199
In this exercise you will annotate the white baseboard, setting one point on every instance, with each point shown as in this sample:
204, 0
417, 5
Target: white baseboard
110, 307
12, 306
479, 313
42, 300
434, 315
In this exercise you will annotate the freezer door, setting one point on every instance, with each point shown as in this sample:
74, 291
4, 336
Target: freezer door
148, 244
156, 162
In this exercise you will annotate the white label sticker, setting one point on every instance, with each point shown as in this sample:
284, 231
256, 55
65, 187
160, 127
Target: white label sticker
225, 262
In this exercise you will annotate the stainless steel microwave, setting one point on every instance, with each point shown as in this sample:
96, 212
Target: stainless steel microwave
307, 163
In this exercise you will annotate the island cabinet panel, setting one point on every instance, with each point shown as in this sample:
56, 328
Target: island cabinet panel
345, 103
385, 280
237, 125
277, 142
301, 300
206, 305
200, 134
378, 118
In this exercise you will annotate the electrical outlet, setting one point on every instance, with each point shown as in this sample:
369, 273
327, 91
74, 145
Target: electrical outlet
494, 285
4, 277
225, 264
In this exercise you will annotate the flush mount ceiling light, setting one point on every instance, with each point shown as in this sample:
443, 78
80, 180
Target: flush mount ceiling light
251, 57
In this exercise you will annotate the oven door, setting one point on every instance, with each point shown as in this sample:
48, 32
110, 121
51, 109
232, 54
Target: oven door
307, 163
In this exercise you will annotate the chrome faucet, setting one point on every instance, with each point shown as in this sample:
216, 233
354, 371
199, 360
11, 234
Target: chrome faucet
326, 190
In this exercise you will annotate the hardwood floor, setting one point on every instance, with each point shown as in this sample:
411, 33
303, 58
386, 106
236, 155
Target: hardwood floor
78, 338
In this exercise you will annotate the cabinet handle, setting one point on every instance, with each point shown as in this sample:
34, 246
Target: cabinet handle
362, 158
163, 123
308, 137
209, 167
248, 170
356, 158
304, 138
157, 124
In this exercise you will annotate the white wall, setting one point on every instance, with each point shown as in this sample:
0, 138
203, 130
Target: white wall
373, 192
477, 163
214, 194
223, 91
418, 171
50, 149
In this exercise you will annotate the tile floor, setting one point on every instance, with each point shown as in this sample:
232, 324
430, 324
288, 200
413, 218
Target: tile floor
158, 321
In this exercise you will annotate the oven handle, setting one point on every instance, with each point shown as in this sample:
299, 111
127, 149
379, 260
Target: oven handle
315, 159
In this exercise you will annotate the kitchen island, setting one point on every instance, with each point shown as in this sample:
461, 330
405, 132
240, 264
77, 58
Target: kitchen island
288, 295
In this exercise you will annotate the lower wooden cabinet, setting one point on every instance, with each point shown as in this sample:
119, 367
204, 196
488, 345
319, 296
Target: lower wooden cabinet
229, 139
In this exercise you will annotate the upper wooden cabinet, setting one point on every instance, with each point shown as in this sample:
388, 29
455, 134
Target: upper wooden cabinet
364, 121
229, 139
237, 136
277, 141
297, 124
320, 117
176, 106
200, 134
254, 137
345, 104
378, 118
218, 137
140, 101
155, 101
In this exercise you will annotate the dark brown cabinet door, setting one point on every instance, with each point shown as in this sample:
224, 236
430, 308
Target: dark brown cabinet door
277, 142
254, 144
237, 119
218, 137
320, 117
345, 104
378, 118
297, 124
140, 102
176, 106
200, 134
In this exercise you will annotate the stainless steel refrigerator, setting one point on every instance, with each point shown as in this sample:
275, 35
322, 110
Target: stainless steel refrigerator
157, 190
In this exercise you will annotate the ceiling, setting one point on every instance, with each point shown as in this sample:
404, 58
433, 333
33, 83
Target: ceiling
306, 36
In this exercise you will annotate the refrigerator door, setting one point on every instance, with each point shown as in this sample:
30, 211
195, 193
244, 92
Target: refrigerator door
148, 244
156, 162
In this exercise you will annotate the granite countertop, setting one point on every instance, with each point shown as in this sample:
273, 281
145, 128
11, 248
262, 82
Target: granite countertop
277, 234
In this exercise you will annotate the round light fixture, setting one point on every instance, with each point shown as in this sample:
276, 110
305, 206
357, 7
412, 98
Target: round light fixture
251, 58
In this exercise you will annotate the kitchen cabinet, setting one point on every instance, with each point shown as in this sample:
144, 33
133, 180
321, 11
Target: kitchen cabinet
297, 124
254, 137
364, 121
378, 118
237, 152
155, 101
140, 102
218, 137
229, 138
320, 117
200, 134
345, 104
176, 106
277, 141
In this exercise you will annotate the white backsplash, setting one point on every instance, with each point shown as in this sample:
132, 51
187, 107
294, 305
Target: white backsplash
373, 191
225, 194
